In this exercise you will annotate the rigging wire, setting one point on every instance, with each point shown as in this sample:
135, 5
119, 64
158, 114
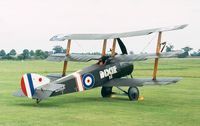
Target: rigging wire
145, 47
80, 47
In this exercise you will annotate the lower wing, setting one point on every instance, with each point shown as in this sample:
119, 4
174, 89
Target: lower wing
130, 82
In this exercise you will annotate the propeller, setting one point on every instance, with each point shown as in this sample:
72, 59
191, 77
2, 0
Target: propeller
122, 46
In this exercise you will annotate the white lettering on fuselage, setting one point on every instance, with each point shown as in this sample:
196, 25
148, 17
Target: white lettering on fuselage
108, 72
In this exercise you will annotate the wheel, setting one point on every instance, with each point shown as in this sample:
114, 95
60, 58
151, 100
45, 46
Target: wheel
106, 92
133, 93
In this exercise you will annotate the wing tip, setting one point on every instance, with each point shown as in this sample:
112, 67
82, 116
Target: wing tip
58, 37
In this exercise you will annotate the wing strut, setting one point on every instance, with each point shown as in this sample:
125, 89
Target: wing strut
67, 54
113, 47
104, 47
158, 53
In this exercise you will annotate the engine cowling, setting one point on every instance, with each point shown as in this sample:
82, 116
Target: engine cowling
126, 68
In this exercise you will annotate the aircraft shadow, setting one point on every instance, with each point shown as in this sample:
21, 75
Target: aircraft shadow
59, 102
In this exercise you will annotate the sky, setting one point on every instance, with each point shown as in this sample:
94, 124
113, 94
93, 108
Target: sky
31, 23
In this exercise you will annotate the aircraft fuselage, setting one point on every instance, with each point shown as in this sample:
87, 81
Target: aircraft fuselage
92, 77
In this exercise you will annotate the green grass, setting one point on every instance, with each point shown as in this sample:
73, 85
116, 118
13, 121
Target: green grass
177, 105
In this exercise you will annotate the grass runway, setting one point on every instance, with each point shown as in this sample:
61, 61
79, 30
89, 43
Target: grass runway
172, 105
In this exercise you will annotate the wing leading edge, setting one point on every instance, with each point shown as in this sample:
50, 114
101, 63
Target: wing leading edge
63, 37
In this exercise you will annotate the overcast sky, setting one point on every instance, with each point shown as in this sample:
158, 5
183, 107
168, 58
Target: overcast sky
31, 23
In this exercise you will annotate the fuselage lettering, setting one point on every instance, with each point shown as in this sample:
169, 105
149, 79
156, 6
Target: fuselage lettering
108, 72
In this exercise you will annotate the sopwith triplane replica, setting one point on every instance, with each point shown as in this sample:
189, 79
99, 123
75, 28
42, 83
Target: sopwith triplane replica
110, 70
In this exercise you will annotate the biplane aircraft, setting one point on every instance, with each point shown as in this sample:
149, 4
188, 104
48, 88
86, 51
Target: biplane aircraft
109, 70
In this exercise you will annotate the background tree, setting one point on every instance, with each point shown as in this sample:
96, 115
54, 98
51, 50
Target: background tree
32, 53
169, 48
20, 57
2, 53
25, 54
194, 54
186, 50
197, 53
58, 49
12, 52
46, 54
39, 54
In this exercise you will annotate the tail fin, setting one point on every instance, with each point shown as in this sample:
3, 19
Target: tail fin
31, 81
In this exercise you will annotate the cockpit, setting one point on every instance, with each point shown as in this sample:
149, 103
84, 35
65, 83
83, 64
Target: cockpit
103, 60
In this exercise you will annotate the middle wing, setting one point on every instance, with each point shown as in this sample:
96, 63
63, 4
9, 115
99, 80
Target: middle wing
73, 57
140, 57
130, 82
118, 58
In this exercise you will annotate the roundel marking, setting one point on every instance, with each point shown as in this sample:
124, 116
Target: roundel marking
40, 79
88, 81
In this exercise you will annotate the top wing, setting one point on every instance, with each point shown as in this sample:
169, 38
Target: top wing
63, 37
141, 81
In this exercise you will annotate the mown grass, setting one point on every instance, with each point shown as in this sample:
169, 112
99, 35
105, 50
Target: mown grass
163, 105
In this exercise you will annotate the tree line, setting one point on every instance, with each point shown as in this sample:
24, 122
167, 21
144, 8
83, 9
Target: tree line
30, 54
40, 54
186, 51
26, 54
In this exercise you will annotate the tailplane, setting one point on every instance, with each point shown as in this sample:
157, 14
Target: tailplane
30, 82
35, 86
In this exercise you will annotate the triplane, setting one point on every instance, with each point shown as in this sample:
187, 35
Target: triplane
109, 71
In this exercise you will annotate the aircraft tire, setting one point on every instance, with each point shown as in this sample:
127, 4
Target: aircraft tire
133, 93
106, 92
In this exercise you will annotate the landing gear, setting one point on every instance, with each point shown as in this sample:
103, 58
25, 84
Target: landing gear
38, 101
106, 92
133, 93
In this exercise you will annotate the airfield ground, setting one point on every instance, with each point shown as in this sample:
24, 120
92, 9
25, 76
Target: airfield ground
172, 105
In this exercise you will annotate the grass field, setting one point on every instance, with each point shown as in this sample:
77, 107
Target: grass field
173, 105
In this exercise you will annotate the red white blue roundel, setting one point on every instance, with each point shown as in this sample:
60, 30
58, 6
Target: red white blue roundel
88, 81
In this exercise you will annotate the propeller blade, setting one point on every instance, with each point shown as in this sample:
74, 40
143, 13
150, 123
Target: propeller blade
122, 46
